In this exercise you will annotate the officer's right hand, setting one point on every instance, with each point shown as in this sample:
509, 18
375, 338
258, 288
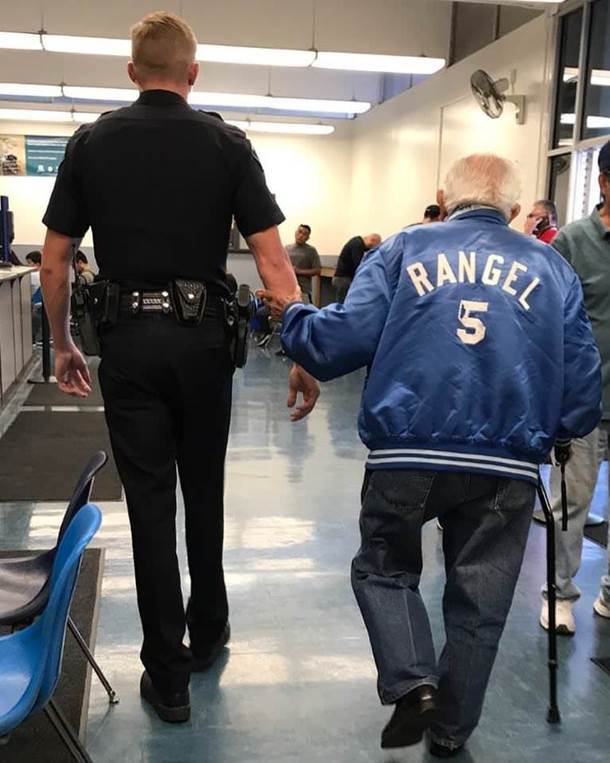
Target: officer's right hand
277, 302
72, 372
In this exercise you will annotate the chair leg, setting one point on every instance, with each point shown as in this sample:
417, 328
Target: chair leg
112, 695
67, 733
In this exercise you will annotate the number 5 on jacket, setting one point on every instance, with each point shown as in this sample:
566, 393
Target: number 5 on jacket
474, 329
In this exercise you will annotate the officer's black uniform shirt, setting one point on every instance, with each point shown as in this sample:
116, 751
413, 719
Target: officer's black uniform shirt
159, 183
350, 257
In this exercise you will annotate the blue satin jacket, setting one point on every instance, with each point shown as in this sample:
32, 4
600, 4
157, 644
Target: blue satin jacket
478, 348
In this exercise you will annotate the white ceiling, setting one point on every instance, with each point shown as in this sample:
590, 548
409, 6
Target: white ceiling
403, 27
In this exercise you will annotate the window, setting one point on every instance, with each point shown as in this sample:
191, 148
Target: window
569, 54
596, 120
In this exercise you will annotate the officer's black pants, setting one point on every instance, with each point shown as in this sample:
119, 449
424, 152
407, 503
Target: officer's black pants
167, 395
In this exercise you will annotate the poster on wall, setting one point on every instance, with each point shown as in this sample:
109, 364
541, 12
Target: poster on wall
32, 155
43, 155
12, 155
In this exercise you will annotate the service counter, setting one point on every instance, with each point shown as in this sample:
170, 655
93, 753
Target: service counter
15, 325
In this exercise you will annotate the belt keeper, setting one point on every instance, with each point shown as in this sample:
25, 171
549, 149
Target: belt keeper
166, 304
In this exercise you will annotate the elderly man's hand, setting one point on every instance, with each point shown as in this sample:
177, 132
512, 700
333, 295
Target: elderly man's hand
278, 302
300, 381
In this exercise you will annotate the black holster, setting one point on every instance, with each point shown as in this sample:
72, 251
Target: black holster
93, 306
239, 314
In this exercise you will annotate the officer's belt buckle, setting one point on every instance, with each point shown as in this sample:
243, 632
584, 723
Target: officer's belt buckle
149, 302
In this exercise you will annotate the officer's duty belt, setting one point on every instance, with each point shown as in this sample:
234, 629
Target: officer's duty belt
144, 302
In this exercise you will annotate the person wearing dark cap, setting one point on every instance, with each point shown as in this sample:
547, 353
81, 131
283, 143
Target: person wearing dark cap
432, 214
586, 246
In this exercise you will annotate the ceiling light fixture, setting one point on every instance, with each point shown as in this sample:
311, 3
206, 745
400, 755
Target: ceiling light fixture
235, 54
287, 128
368, 62
35, 115
97, 46
82, 117
593, 122
230, 54
13, 89
227, 100
20, 41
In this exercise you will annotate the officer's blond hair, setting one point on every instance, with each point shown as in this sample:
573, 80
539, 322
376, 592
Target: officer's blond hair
484, 179
163, 46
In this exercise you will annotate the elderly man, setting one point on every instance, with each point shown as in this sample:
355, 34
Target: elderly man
480, 357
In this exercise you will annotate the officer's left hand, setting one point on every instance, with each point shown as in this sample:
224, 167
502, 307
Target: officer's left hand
72, 371
300, 381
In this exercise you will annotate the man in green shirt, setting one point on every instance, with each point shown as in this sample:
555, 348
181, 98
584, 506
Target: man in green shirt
586, 246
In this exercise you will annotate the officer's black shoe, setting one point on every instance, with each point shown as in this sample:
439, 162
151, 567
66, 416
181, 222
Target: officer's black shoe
440, 751
412, 716
203, 660
171, 708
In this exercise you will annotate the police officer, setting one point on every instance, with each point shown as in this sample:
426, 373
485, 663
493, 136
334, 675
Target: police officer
159, 183
480, 358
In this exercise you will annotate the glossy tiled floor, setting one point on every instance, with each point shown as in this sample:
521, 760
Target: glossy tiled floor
298, 683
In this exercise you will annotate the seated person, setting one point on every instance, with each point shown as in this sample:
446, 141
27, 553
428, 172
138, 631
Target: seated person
34, 260
84, 272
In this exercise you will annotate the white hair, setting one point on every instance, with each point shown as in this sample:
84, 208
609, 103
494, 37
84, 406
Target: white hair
483, 179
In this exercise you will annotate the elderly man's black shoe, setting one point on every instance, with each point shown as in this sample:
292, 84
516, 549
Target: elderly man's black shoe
171, 708
203, 661
440, 751
413, 714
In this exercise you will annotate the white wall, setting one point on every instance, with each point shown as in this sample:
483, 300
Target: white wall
310, 177
404, 147
308, 174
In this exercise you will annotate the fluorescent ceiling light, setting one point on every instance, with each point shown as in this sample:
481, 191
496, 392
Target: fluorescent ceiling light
368, 62
42, 115
20, 41
291, 128
29, 91
278, 103
570, 73
35, 115
593, 123
598, 123
228, 100
120, 94
99, 46
599, 77
229, 54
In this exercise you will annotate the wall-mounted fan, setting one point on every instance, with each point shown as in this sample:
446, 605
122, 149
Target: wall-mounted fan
491, 96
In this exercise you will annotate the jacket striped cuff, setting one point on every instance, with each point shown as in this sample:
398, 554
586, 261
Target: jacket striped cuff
444, 460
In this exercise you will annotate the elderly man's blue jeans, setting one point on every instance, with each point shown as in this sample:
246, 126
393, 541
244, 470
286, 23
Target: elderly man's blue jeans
485, 526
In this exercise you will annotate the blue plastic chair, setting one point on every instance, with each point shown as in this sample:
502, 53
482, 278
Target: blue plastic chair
30, 659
